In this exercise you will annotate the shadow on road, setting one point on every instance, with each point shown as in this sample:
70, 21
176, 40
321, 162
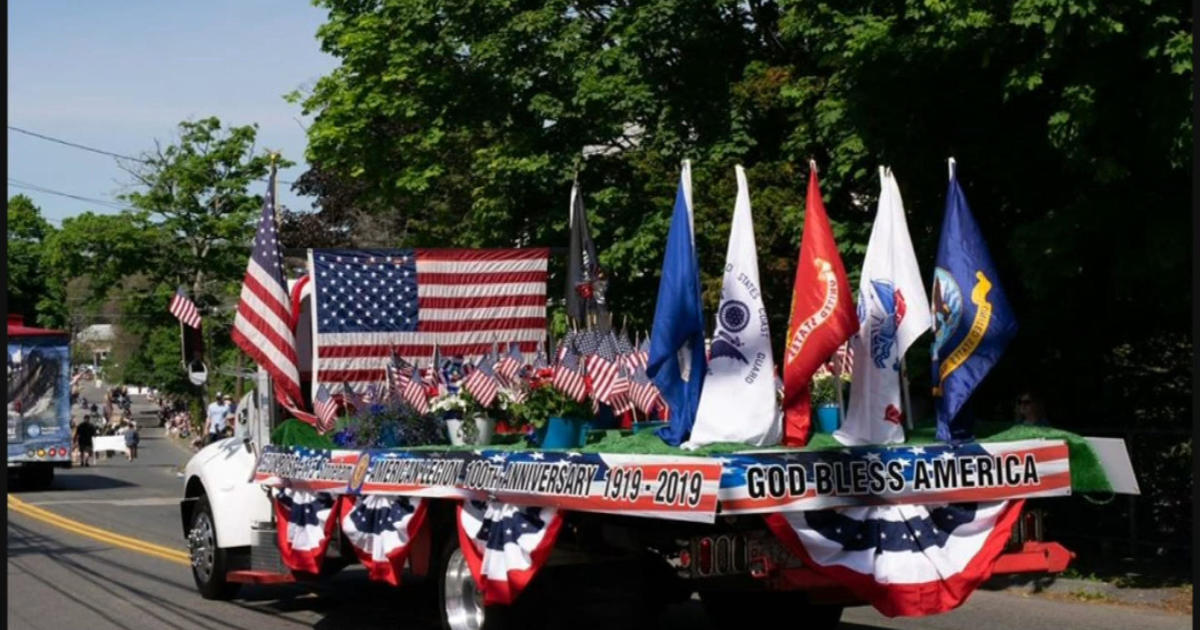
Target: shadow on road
76, 482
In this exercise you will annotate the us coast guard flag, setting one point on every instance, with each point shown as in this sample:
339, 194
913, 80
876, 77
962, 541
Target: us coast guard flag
907, 560
677, 361
738, 402
972, 320
891, 315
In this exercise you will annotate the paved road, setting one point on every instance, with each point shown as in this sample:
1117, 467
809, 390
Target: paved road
60, 579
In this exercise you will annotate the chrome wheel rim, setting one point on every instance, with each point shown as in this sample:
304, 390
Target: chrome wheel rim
463, 601
201, 546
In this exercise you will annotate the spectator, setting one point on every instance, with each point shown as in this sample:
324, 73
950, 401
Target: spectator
218, 417
1031, 410
131, 441
83, 437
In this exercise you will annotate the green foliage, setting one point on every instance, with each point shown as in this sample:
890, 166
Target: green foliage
547, 402
27, 231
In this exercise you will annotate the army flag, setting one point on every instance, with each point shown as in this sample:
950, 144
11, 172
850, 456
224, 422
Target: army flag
738, 402
891, 315
972, 320
822, 315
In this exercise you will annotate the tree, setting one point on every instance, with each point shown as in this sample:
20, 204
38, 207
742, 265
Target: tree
27, 231
462, 124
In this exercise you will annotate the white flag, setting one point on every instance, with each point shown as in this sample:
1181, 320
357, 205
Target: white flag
738, 402
892, 313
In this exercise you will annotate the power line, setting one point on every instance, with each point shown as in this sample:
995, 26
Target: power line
76, 145
27, 186
84, 147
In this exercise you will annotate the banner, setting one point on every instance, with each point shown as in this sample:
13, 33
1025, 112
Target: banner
687, 488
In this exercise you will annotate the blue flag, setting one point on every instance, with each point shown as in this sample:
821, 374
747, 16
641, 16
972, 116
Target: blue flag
972, 320
679, 323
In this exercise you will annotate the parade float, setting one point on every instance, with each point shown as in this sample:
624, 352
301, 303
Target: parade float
413, 415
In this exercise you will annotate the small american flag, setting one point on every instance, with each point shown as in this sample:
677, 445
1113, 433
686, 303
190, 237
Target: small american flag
482, 383
325, 408
644, 393
603, 367
510, 364
567, 377
184, 309
414, 393
262, 327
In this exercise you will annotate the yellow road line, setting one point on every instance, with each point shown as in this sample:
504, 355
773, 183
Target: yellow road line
177, 556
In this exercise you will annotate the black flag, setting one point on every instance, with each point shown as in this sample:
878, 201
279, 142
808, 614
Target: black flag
586, 282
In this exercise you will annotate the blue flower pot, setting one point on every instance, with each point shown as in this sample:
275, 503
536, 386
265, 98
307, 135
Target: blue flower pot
829, 418
564, 433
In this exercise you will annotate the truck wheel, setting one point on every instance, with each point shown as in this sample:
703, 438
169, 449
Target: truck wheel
461, 600
210, 563
762, 607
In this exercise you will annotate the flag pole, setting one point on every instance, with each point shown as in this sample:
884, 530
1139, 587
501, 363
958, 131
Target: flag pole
905, 399
837, 378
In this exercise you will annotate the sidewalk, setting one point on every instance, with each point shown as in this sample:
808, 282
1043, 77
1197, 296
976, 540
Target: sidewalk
1177, 599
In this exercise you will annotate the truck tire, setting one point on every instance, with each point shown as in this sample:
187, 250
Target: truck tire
38, 477
755, 608
210, 563
460, 602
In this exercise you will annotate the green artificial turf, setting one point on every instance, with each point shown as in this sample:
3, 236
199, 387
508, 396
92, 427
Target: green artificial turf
1086, 473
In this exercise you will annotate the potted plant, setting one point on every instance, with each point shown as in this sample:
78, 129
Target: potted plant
554, 420
825, 400
467, 422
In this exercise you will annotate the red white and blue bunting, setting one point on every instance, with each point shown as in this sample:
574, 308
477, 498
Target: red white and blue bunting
505, 545
381, 530
906, 560
306, 522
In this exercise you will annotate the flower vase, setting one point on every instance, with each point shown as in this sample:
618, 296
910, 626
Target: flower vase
485, 427
454, 422
829, 418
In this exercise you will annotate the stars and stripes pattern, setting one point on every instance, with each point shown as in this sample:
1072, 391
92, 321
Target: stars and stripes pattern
381, 530
414, 392
510, 364
371, 302
325, 408
482, 383
568, 378
906, 560
184, 309
505, 545
262, 326
306, 522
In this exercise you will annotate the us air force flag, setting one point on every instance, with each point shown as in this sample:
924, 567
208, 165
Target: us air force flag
677, 362
891, 315
738, 403
972, 320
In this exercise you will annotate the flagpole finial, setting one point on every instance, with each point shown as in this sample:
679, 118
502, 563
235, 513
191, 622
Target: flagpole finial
950, 164
812, 165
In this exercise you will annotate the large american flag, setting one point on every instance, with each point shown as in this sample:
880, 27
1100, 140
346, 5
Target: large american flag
461, 301
262, 325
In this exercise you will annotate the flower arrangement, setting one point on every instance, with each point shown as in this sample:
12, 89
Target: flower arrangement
386, 426
544, 402
825, 384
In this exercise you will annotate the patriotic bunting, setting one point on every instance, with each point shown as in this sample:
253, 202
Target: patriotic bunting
306, 522
381, 530
505, 545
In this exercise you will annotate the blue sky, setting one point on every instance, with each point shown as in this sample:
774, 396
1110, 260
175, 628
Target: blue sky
118, 74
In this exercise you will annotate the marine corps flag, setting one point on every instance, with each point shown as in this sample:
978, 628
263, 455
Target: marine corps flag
972, 320
822, 315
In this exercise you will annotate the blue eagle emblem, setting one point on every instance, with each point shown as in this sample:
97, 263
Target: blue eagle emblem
884, 323
726, 345
947, 308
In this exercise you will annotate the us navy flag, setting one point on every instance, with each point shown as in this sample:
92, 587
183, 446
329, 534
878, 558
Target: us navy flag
677, 361
738, 402
972, 320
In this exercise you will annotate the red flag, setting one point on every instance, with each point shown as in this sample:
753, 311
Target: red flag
822, 318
